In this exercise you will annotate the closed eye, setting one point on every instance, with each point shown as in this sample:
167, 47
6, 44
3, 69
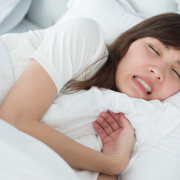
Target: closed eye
176, 73
154, 50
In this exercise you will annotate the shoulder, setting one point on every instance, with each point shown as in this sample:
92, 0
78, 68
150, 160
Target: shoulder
84, 22
82, 25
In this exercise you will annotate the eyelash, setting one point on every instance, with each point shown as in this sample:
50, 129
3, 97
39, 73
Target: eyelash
176, 73
154, 50
159, 55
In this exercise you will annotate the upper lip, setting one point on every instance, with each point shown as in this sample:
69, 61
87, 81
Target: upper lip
147, 81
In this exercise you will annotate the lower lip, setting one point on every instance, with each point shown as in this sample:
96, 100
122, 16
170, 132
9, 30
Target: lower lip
140, 86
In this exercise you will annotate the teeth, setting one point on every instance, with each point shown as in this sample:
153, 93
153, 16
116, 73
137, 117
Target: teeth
146, 86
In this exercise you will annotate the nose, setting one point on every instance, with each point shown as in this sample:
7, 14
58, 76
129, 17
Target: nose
158, 72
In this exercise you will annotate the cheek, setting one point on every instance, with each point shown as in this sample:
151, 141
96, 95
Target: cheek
173, 88
135, 56
169, 89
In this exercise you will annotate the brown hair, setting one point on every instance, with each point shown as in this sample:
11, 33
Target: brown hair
164, 27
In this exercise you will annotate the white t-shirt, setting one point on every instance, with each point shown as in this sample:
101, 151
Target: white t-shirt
65, 51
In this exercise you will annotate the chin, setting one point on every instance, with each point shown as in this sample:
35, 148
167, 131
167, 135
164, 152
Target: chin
131, 94
135, 95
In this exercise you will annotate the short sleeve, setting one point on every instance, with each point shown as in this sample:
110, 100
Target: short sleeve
70, 47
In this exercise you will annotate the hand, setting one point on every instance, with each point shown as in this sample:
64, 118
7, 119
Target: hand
116, 133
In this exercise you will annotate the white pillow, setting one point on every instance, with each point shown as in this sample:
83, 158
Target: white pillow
153, 7
70, 3
6, 8
16, 15
108, 13
130, 9
161, 162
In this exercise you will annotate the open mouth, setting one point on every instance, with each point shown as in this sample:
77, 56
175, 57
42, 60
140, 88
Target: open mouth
144, 84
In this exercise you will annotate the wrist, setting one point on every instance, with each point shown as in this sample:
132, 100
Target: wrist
118, 163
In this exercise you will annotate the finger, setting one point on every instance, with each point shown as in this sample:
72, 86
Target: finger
125, 122
107, 128
114, 115
99, 130
111, 121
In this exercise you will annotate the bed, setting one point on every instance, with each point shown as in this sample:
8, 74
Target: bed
114, 16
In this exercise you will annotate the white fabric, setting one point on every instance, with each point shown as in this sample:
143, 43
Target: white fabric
6, 7
70, 3
94, 142
25, 158
73, 114
24, 26
86, 47
17, 13
25, 44
92, 102
130, 9
20, 46
160, 162
153, 7
66, 49
112, 18
6, 73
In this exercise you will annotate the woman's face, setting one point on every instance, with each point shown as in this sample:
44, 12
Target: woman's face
149, 70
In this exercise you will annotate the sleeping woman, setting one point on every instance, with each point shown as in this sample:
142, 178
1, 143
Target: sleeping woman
141, 63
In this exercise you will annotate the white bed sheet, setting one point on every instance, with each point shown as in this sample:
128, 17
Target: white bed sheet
25, 158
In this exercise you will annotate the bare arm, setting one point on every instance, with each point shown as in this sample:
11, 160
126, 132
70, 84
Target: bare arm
24, 106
